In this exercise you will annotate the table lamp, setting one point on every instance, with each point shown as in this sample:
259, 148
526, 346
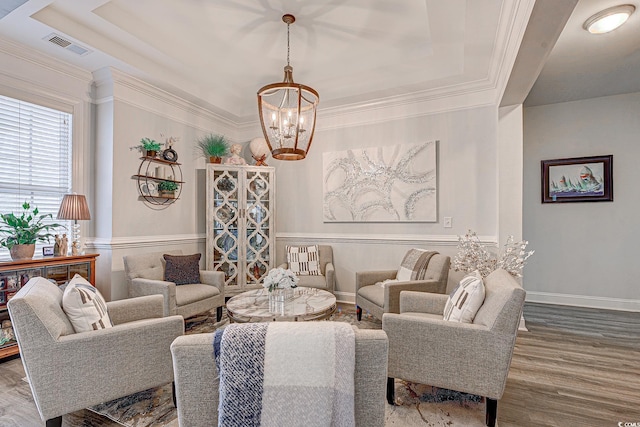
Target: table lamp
74, 206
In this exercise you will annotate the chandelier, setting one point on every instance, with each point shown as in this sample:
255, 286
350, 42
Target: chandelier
288, 113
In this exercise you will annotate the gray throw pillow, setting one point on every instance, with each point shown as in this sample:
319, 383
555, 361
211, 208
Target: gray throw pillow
182, 269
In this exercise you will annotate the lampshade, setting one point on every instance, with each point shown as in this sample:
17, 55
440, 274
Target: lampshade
609, 19
288, 113
74, 206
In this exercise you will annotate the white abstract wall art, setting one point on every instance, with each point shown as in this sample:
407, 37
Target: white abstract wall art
396, 183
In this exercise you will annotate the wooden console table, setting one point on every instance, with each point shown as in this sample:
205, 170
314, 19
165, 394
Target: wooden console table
15, 274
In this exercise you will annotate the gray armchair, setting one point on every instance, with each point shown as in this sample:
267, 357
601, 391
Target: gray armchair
69, 371
378, 300
197, 379
468, 357
145, 273
327, 281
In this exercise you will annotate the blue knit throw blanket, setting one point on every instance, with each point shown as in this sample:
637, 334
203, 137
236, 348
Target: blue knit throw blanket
286, 374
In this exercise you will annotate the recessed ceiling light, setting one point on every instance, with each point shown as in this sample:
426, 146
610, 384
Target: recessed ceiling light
609, 19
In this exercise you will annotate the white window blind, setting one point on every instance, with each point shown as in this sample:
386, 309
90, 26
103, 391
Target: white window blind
35, 159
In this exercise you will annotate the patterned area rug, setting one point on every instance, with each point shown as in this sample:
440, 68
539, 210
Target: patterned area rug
416, 404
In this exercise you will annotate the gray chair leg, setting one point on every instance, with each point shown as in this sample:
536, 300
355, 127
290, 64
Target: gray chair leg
54, 422
492, 412
219, 314
391, 391
359, 313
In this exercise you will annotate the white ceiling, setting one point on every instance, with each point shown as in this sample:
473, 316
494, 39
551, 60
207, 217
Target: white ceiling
223, 51
583, 65
220, 52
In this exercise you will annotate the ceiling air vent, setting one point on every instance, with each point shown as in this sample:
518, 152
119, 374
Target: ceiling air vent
69, 45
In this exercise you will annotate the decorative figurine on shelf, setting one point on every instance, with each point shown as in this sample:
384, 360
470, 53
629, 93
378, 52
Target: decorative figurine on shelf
259, 150
56, 246
235, 158
75, 248
64, 245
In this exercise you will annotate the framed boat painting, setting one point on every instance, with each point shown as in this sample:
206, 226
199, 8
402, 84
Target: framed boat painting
579, 179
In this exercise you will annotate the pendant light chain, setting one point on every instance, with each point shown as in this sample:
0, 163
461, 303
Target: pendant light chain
288, 48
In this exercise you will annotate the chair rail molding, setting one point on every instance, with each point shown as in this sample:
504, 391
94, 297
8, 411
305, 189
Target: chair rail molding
133, 242
384, 239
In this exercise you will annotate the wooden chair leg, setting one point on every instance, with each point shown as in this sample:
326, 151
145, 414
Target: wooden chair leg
391, 391
54, 422
219, 314
359, 313
492, 412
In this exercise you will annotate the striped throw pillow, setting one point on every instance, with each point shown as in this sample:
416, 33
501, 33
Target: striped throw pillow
304, 260
466, 299
84, 306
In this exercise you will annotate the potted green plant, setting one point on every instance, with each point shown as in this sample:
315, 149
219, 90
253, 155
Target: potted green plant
167, 188
22, 232
213, 147
150, 146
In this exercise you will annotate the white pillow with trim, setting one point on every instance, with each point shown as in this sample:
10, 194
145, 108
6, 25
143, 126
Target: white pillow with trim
466, 299
304, 260
84, 306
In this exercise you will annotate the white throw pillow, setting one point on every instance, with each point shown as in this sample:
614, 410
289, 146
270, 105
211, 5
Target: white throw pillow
466, 299
304, 260
84, 306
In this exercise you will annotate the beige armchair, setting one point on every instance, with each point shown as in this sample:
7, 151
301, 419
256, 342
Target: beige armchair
327, 281
468, 357
377, 299
69, 371
197, 379
145, 273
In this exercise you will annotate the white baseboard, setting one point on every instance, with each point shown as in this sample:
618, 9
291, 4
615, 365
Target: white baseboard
584, 301
345, 297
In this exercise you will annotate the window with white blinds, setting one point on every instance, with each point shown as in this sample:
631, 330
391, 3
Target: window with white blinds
35, 159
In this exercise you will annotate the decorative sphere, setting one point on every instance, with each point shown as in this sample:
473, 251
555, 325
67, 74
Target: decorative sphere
258, 147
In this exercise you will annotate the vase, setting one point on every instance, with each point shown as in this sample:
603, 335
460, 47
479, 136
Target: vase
22, 251
280, 294
167, 194
215, 159
151, 153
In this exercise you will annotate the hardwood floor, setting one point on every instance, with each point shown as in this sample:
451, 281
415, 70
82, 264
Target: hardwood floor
575, 367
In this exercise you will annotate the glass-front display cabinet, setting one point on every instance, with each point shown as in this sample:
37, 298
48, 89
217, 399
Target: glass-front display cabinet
240, 224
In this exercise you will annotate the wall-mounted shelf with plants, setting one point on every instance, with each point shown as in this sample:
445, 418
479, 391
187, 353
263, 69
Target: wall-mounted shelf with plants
159, 181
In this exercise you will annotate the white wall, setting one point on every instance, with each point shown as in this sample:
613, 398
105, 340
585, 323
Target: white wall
467, 192
510, 164
126, 111
585, 252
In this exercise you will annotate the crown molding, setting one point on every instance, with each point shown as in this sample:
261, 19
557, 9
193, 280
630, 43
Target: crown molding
40, 59
513, 24
115, 85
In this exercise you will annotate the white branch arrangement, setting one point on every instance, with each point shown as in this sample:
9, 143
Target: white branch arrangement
473, 256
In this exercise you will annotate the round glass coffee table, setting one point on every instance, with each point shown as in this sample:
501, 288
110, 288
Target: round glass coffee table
306, 304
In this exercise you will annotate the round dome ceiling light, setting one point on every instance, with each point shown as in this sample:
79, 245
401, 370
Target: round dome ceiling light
609, 19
